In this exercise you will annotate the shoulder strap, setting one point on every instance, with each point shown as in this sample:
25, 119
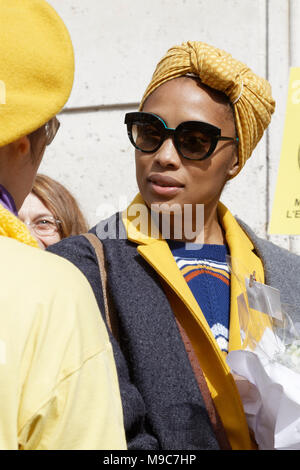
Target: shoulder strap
110, 312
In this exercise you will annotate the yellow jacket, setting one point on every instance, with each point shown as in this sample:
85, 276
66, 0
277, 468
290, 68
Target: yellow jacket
58, 382
220, 381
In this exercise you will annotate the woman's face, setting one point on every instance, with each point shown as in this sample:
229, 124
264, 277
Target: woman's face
40, 221
193, 182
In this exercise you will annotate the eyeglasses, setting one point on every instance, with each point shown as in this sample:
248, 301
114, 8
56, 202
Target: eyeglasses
51, 128
194, 140
44, 226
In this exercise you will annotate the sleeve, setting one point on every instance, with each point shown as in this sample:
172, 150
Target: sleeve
79, 251
70, 396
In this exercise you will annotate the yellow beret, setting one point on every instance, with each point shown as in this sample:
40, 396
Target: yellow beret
36, 66
249, 94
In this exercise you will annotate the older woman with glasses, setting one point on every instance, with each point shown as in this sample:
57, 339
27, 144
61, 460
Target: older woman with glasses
51, 212
170, 293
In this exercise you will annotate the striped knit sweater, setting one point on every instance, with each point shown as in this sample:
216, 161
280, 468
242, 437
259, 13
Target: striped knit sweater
205, 269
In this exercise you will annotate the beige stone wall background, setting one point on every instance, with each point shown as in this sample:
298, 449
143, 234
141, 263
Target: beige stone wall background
117, 45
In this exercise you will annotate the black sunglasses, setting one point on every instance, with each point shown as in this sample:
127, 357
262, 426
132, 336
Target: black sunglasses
194, 140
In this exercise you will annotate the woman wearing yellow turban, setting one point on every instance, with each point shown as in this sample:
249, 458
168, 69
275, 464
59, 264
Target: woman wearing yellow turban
175, 302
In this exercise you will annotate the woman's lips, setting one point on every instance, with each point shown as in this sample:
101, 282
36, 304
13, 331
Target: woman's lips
164, 185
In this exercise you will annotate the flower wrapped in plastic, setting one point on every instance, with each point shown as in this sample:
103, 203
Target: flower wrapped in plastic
267, 367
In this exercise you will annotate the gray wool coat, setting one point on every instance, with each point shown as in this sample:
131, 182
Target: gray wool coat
162, 404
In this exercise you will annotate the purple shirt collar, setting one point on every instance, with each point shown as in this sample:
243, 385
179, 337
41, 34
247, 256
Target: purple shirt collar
7, 200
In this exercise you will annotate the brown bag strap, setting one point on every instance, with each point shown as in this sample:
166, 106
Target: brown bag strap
110, 312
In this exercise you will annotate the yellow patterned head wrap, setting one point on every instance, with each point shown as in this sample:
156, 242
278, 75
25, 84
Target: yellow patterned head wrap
249, 94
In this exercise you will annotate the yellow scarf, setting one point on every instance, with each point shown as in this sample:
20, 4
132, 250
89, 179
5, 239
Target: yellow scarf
12, 227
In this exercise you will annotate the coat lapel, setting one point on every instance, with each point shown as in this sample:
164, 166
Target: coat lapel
243, 263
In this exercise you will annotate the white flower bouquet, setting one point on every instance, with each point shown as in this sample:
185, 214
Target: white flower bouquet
267, 368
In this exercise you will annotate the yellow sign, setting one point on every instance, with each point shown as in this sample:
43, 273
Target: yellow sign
285, 217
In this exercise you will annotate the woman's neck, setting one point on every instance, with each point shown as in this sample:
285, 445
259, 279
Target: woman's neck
198, 226
213, 232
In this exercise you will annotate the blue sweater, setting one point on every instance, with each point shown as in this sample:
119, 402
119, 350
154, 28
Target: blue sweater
206, 271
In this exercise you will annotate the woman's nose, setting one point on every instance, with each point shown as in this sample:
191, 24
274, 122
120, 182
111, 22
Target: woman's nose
167, 155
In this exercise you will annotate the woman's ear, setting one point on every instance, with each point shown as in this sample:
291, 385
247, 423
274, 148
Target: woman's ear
11, 154
234, 167
21, 147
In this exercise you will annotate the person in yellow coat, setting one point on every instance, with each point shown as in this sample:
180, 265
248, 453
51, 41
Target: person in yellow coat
58, 383
174, 296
